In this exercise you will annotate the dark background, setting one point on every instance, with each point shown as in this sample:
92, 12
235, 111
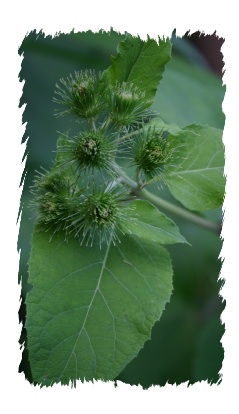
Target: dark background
185, 343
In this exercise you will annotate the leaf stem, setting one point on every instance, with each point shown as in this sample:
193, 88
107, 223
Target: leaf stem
166, 205
124, 177
179, 211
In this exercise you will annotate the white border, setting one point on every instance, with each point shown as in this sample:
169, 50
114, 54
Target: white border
154, 18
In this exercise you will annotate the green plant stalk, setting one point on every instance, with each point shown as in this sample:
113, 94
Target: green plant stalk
166, 205
91, 124
179, 211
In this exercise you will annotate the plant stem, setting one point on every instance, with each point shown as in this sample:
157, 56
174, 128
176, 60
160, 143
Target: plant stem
91, 124
125, 178
179, 211
164, 204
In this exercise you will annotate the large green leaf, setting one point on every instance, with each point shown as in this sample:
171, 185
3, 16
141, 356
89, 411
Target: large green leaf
197, 178
147, 222
189, 94
141, 63
91, 310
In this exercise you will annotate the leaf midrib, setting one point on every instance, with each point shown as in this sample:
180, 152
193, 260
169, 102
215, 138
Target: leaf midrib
155, 228
135, 62
92, 300
199, 170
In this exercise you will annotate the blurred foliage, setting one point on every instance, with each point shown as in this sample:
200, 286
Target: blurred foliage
185, 344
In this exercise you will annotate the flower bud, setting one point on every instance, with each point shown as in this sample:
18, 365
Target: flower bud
151, 153
81, 94
53, 201
127, 104
89, 150
98, 215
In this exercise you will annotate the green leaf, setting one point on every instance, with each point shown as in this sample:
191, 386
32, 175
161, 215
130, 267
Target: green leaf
59, 163
197, 178
91, 310
147, 222
61, 143
159, 125
188, 94
141, 63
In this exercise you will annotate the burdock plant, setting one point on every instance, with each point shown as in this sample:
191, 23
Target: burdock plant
100, 274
